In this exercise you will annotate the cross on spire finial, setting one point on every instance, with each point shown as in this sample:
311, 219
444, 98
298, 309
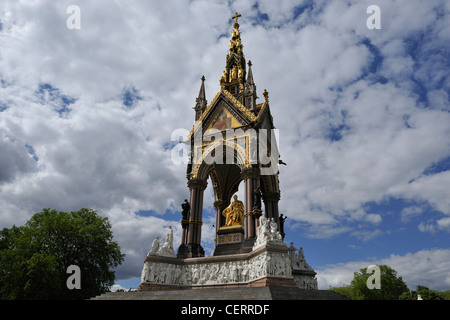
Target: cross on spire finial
236, 16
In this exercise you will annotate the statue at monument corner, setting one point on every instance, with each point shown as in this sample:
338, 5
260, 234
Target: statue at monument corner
257, 198
298, 261
155, 246
185, 212
163, 250
267, 232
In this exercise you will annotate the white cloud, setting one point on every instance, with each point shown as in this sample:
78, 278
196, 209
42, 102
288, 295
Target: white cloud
431, 188
348, 138
117, 287
434, 226
444, 224
427, 227
409, 212
365, 235
385, 140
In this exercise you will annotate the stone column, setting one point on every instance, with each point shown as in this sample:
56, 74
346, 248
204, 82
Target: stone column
193, 247
219, 205
271, 205
251, 179
183, 235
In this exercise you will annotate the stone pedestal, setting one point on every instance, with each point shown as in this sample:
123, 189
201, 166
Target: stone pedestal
229, 240
305, 279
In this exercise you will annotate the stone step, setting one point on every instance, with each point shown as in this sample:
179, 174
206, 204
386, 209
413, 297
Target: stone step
257, 293
282, 293
262, 293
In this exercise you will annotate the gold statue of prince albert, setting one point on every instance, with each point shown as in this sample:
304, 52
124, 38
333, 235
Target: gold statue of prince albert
234, 213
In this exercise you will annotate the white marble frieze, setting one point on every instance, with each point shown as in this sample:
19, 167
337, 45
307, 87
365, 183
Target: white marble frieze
242, 271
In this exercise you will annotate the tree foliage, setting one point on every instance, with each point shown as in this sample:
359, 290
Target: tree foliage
34, 258
424, 293
391, 288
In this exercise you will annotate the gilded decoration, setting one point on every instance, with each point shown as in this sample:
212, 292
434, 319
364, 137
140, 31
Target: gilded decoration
234, 213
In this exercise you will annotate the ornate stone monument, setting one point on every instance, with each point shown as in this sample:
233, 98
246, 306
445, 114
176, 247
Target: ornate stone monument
234, 143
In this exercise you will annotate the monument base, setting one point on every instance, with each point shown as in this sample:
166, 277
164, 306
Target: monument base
269, 262
267, 265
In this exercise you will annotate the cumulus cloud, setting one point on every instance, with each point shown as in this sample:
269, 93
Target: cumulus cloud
86, 115
369, 130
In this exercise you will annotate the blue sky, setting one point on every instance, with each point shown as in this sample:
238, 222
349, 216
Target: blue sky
87, 117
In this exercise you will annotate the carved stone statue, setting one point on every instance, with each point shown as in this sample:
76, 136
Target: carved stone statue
292, 255
282, 219
155, 246
144, 272
275, 235
257, 195
167, 247
267, 232
301, 259
234, 72
186, 207
224, 77
163, 250
234, 213
263, 229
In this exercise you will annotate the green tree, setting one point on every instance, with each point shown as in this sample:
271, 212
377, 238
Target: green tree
34, 258
391, 286
445, 294
424, 292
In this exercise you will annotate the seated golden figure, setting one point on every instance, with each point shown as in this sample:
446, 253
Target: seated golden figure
234, 213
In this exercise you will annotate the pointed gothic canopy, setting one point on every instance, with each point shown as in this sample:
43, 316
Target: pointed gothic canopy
234, 106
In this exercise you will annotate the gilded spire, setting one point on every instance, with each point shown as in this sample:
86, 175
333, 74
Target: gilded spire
233, 77
235, 42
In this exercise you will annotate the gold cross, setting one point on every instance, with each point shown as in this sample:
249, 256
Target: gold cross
236, 16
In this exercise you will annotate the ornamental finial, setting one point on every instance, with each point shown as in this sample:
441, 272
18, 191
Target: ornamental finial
266, 95
235, 17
